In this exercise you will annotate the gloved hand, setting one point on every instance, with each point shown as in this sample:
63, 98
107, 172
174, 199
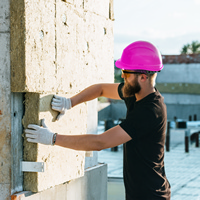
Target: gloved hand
38, 134
61, 104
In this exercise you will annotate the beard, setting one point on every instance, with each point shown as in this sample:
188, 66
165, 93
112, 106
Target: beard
129, 90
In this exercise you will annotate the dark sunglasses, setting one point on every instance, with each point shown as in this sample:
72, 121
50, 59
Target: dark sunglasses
130, 72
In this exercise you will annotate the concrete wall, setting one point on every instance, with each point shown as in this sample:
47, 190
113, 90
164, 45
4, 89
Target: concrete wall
180, 86
5, 102
179, 73
82, 188
46, 48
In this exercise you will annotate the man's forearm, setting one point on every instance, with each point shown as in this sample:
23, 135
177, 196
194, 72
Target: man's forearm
87, 94
88, 142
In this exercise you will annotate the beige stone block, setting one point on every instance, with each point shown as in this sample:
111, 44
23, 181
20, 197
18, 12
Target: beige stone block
33, 47
70, 48
100, 55
57, 50
99, 7
76, 3
85, 48
61, 164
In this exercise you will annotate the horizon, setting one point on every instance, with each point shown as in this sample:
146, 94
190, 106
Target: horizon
168, 27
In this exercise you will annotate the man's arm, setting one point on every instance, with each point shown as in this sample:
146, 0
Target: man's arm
111, 138
62, 104
89, 142
109, 90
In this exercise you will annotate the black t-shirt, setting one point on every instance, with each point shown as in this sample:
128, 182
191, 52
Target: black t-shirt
144, 172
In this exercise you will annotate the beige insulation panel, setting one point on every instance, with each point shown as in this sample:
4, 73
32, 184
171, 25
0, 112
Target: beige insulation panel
85, 48
99, 7
61, 164
33, 67
60, 48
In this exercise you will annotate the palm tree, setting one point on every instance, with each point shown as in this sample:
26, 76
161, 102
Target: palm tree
185, 49
195, 47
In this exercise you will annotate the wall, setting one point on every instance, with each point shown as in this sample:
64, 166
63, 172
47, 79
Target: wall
179, 84
82, 188
5, 102
52, 47
61, 164
65, 40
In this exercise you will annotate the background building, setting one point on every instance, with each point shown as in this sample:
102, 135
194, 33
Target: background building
178, 82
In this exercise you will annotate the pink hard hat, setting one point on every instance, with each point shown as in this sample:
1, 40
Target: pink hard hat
140, 55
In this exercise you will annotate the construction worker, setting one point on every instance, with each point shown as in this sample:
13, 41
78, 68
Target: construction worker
142, 132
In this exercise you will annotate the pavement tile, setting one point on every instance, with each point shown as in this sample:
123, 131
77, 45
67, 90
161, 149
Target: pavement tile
182, 169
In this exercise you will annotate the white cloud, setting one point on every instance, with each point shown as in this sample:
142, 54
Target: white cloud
169, 24
178, 15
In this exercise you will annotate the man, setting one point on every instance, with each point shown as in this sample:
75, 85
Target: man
142, 132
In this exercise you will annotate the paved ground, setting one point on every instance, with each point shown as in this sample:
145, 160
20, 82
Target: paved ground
182, 169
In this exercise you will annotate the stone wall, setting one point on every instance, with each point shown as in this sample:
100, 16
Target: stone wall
57, 47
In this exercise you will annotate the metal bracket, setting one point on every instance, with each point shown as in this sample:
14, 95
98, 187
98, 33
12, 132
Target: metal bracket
32, 166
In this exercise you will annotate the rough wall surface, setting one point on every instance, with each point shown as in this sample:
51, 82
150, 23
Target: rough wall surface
5, 117
65, 41
59, 47
5, 103
61, 164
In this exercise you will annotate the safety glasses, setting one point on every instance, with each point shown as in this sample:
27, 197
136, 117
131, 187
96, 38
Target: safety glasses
129, 72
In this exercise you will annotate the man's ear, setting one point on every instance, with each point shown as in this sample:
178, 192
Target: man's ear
144, 77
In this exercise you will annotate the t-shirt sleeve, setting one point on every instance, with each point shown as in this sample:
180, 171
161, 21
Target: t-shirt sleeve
120, 90
138, 123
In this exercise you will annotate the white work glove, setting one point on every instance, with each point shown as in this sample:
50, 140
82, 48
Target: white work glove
61, 104
38, 134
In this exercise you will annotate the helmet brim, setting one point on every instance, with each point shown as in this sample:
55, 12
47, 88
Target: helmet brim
121, 65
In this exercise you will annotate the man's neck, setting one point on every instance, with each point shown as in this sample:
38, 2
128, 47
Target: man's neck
143, 93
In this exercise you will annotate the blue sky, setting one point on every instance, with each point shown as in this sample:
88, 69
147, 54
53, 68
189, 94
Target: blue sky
169, 24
